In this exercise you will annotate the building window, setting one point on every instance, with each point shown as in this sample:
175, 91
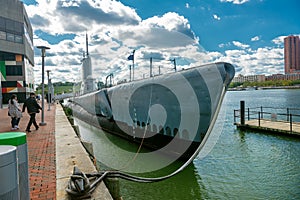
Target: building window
4, 56
2, 23
9, 25
11, 30
18, 39
18, 29
9, 84
2, 35
14, 70
19, 58
10, 37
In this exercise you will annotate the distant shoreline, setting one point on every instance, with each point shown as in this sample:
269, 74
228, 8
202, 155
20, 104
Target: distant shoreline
265, 88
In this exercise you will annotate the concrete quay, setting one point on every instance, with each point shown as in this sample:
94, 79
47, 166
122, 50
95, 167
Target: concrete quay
53, 151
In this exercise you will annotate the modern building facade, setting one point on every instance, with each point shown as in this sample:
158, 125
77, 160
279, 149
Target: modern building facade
291, 54
16, 51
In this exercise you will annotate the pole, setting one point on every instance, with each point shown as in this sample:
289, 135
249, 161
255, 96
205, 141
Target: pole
174, 64
234, 116
52, 91
43, 69
291, 123
242, 114
129, 72
49, 99
248, 114
43, 50
150, 66
133, 65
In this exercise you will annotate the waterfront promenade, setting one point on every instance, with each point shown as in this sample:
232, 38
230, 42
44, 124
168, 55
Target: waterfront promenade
53, 151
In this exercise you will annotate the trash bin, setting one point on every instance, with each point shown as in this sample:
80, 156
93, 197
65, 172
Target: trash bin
8, 172
18, 139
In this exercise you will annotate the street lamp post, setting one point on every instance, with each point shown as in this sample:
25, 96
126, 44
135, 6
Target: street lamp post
51, 91
43, 50
48, 97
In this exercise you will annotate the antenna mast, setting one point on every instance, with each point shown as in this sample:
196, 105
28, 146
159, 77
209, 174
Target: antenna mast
87, 45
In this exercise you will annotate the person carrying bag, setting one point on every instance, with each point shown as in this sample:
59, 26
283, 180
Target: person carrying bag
14, 112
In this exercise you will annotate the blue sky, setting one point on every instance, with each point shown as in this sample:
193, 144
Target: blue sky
267, 19
247, 33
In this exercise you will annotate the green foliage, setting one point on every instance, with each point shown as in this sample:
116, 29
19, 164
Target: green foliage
233, 85
59, 88
266, 83
64, 87
68, 111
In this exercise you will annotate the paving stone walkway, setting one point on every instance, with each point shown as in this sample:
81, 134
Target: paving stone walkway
41, 152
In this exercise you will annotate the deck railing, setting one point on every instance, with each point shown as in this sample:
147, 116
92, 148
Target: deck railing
288, 115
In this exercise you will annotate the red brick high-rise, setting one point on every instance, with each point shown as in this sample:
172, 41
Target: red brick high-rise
291, 54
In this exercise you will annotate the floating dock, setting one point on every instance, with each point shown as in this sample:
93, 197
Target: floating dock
268, 119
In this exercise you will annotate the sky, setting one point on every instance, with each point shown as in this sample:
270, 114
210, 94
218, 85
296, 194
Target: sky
247, 33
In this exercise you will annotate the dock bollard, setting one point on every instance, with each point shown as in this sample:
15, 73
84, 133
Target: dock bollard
18, 139
242, 112
8, 172
113, 186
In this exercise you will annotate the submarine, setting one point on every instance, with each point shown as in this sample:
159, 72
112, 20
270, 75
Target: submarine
171, 113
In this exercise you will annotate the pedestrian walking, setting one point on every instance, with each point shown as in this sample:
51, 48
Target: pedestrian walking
14, 112
32, 108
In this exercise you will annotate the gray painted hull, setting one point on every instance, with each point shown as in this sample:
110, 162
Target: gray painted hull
173, 113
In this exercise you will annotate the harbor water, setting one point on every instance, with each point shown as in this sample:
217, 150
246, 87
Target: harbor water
241, 165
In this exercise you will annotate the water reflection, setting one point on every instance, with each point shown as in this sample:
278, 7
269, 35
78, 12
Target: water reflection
185, 185
112, 150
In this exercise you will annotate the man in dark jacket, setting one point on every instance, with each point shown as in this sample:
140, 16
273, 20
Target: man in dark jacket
32, 108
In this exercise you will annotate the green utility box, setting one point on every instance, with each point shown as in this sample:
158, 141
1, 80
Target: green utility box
18, 139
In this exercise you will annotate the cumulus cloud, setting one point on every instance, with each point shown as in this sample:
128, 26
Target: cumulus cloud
256, 38
56, 17
265, 60
235, 1
279, 40
216, 17
222, 45
170, 21
187, 5
239, 44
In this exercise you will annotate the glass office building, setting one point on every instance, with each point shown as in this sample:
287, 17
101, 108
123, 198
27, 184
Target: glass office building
16, 51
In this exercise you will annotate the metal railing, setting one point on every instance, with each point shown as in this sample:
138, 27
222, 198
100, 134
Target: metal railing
288, 115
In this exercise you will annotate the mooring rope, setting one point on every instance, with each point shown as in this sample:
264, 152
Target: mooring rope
144, 134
